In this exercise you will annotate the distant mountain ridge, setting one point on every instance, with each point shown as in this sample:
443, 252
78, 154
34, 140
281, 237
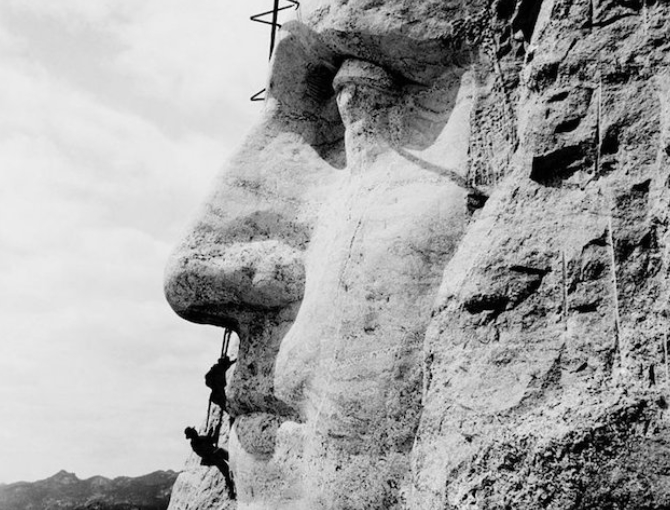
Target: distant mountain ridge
64, 491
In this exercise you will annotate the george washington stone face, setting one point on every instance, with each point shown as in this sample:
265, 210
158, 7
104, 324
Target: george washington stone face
402, 346
323, 245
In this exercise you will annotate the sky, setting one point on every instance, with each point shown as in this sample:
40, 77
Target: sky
115, 117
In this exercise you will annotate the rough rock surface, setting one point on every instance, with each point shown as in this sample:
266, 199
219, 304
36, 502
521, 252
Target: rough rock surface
445, 251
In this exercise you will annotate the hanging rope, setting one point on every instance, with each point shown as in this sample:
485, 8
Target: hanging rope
226, 342
224, 352
274, 26
209, 409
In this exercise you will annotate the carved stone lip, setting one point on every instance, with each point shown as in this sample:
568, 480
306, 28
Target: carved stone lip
261, 403
257, 433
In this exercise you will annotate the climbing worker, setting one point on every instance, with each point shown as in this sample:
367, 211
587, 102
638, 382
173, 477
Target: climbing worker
210, 454
216, 380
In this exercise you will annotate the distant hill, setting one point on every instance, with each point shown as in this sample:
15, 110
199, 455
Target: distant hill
64, 491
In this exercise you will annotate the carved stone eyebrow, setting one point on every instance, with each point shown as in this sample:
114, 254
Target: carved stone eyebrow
364, 73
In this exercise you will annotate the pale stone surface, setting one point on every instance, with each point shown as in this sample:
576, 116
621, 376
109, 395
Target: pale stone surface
405, 342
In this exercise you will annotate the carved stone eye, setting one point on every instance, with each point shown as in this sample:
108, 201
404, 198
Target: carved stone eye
364, 91
319, 82
403, 113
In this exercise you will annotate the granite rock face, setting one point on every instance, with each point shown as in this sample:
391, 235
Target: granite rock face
444, 249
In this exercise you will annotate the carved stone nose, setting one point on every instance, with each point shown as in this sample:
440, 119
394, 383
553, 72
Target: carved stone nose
214, 284
252, 287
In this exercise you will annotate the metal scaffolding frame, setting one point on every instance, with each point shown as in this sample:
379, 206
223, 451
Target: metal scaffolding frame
274, 26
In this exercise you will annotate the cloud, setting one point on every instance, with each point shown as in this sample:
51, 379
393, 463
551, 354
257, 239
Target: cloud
94, 367
202, 60
59, 139
74, 13
165, 55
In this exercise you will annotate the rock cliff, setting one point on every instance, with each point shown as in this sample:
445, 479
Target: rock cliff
445, 251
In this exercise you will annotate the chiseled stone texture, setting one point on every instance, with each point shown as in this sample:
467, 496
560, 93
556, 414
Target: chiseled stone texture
200, 487
445, 251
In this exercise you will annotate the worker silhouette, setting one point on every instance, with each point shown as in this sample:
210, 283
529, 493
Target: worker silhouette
216, 380
211, 454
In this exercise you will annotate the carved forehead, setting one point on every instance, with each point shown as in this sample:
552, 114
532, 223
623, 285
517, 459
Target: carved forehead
415, 38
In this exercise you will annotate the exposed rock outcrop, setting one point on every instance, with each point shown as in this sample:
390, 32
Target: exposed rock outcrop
445, 251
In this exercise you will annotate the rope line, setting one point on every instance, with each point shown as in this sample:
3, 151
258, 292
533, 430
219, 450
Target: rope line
224, 351
226, 341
